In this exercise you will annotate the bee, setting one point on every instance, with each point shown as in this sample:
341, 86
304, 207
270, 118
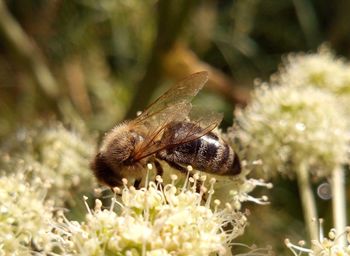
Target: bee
170, 131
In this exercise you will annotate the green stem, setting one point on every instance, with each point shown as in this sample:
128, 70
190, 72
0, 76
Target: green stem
13, 34
308, 202
339, 204
32, 59
172, 17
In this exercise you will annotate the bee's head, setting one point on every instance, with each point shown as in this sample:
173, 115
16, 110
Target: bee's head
104, 172
116, 151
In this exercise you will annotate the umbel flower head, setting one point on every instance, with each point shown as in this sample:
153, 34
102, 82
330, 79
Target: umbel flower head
55, 154
325, 246
157, 220
289, 127
322, 70
24, 216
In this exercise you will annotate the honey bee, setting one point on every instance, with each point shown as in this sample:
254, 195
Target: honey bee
170, 131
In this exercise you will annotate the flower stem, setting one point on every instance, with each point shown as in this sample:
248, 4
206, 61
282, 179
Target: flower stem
339, 204
308, 202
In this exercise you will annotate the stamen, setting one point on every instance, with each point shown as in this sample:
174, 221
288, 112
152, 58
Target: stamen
189, 169
149, 168
86, 205
332, 234
173, 178
159, 179
98, 205
116, 190
216, 204
210, 192
113, 200
97, 192
320, 228
125, 182
294, 247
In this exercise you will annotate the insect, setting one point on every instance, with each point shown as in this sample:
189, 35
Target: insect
169, 130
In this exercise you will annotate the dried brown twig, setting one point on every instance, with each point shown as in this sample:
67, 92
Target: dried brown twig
181, 62
177, 61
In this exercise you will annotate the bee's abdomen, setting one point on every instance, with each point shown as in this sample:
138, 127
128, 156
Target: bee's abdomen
208, 153
216, 156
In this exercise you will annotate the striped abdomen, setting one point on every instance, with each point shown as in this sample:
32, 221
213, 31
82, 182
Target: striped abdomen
208, 153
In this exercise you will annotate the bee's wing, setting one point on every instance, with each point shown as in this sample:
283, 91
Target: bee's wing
199, 124
204, 118
180, 95
154, 126
173, 105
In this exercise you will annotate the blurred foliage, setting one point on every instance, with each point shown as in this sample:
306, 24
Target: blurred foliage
100, 55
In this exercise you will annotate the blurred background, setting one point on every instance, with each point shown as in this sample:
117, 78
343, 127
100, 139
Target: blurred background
98, 62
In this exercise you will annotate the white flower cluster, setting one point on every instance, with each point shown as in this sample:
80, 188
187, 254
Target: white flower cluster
56, 155
322, 70
158, 220
237, 191
24, 216
326, 246
288, 127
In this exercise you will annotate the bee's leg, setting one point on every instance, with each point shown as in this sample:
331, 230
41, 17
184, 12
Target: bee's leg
159, 168
137, 183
